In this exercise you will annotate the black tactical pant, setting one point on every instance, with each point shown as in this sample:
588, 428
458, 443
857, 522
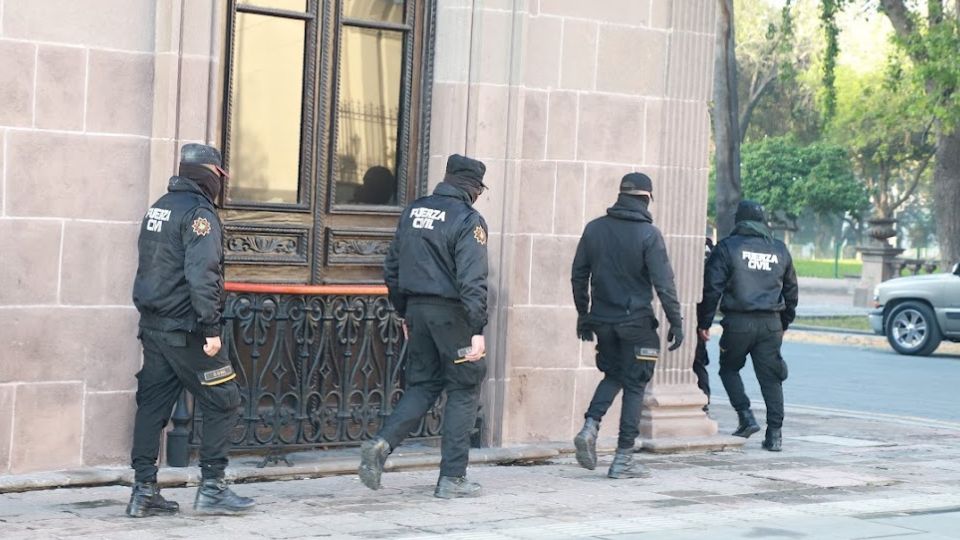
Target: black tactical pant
700, 362
626, 354
759, 335
173, 361
438, 329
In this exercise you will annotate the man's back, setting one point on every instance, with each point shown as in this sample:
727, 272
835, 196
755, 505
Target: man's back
624, 255
179, 277
758, 268
440, 249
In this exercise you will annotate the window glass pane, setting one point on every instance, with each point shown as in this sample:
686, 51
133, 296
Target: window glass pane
290, 5
374, 10
265, 121
371, 64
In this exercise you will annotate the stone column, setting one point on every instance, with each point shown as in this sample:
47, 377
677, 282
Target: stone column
879, 260
678, 133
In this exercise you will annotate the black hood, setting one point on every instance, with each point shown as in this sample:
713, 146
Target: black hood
446, 189
182, 183
631, 208
753, 228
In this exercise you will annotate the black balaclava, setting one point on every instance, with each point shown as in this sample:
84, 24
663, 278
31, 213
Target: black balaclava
466, 174
750, 211
208, 180
471, 186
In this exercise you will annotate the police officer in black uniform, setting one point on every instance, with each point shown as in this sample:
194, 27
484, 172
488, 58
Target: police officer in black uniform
750, 274
619, 259
436, 274
178, 292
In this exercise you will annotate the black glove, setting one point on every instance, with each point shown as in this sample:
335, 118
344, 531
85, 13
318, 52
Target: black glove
784, 323
584, 331
675, 336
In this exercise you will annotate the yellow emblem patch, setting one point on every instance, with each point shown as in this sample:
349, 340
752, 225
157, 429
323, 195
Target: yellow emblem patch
480, 235
201, 227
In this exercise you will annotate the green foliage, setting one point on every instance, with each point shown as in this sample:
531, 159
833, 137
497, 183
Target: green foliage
831, 32
823, 268
786, 176
881, 121
936, 74
776, 48
830, 188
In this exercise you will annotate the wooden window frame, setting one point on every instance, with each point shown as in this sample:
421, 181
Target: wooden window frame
319, 130
307, 100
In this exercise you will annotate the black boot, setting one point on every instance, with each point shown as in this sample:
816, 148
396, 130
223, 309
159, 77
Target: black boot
147, 501
773, 440
373, 454
586, 444
455, 487
624, 466
214, 497
748, 424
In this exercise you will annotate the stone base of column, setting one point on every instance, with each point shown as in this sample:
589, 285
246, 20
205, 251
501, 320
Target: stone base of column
673, 421
692, 444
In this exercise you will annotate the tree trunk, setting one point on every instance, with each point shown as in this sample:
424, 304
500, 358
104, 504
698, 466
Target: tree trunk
726, 122
946, 199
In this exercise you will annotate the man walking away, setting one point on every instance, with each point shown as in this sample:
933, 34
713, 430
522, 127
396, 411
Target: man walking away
750, 275
621, 257
178, 292
436, 275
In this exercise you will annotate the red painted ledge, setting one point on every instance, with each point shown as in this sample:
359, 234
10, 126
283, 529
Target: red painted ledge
314, 290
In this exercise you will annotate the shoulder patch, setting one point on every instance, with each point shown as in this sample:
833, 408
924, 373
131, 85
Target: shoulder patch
480, 235
201, 227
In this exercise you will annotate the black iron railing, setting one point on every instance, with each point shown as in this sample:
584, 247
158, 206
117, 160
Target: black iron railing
315, 370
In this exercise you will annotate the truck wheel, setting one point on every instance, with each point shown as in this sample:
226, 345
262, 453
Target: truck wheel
912, 329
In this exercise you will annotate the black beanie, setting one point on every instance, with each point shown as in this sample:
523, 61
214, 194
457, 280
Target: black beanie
750, 211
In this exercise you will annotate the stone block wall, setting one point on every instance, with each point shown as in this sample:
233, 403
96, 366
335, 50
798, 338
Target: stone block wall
88, 132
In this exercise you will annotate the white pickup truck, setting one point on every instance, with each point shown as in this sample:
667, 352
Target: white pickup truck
916, 313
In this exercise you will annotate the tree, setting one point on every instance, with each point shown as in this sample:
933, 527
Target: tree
814, 182
756, 73
933, 44
794, 179
889, 139
726, 123
776, 50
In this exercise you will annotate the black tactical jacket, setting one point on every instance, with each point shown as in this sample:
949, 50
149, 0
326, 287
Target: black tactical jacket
179, 284
440, 250
619, 257
753, 273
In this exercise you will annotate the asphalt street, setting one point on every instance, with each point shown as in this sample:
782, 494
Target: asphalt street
859, 379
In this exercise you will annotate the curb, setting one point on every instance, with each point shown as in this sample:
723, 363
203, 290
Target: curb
831, 330
242, 472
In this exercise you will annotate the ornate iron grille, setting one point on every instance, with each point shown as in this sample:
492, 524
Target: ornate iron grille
314, 371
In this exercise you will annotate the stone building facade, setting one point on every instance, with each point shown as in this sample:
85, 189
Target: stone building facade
559, 98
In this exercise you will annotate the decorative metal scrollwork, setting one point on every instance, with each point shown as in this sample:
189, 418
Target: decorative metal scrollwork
314, 370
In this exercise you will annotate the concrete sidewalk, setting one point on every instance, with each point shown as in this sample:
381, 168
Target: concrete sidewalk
840, 477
